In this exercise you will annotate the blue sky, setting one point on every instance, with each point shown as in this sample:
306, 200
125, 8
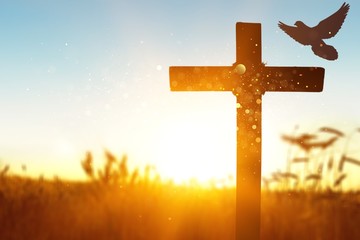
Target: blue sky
84, 75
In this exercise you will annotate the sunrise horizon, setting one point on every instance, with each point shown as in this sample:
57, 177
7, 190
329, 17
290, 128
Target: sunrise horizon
73, 84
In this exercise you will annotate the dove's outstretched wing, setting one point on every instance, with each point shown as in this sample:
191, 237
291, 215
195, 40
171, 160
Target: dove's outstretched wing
295, 33
328, 27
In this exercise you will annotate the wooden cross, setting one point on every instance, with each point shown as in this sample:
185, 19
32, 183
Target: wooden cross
248, 79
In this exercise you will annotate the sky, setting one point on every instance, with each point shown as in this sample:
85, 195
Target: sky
79, 76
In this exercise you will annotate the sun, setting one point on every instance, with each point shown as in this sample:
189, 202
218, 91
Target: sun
194, 149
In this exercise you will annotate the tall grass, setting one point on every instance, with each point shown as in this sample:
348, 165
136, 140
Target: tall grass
119, 203
113, 205
316, 161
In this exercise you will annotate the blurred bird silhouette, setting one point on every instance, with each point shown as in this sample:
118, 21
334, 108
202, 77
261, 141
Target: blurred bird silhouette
314, 36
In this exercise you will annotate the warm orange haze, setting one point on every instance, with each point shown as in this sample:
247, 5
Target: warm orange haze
179, 120
122, 203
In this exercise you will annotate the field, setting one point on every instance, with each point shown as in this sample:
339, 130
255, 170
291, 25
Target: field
120, 204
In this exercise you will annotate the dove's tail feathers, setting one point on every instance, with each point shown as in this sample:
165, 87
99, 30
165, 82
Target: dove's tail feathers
325, 51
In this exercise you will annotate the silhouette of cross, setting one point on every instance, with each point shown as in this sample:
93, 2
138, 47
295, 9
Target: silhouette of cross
248, 79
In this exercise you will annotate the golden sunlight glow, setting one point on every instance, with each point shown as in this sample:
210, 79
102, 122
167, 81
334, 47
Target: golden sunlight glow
192, 150
63, 148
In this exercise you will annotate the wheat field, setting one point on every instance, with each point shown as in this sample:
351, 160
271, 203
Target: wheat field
116, 203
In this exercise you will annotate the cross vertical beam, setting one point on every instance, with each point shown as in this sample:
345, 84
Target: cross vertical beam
248, 159
248, 79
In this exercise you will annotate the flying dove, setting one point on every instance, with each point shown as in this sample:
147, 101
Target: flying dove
314, 36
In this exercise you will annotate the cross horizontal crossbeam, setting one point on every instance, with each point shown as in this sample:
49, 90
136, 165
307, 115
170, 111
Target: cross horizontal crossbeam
280, 79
